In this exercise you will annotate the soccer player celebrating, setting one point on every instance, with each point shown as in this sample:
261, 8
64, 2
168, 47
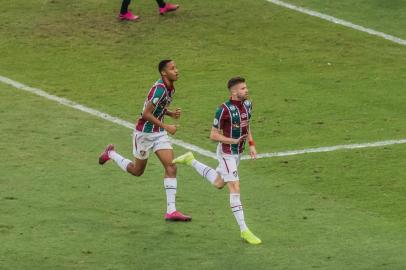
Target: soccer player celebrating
127, 15
231, 130
151, 134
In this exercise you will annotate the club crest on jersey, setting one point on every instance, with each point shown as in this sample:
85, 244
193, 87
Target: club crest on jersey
232, 107
247, 103
155, 100
142, 153
215, 122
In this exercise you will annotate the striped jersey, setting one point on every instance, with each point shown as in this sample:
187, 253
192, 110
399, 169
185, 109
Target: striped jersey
161, 97
233, 117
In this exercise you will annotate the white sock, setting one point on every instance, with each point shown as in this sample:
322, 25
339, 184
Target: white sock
205, 171
237, 209
122, 162
170, 188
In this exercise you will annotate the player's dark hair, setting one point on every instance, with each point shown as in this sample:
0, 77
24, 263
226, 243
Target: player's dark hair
234, 81
162, 65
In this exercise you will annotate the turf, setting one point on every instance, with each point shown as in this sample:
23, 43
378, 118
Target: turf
60, 210
385, 16
317, 84
313, 84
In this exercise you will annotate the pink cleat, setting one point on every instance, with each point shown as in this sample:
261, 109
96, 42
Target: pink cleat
168, 8
177, 216
128, 16
104, 157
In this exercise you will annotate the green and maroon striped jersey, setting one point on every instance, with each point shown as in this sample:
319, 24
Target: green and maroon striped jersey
161, 97
233, 117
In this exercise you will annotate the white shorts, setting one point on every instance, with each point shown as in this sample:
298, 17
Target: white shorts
228, 165
143, 142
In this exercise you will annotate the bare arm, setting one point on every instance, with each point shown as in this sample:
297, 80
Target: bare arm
215, 135
148, 116
253, 150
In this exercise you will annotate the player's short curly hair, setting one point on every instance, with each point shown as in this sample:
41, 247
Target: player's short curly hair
162, 65
234, 81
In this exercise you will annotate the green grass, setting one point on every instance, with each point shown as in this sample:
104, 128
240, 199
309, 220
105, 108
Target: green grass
313, 84
99, 62
60, 210
384, 16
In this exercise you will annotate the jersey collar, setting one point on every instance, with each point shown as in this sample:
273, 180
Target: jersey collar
236, 102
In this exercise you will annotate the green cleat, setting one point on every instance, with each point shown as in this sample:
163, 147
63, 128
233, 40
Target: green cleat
250, 238
185, 159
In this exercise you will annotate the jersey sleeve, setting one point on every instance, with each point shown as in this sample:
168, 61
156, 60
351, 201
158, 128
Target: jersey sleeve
157, 95
219, 117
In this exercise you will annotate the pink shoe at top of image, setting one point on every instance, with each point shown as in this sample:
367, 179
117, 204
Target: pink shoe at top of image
128, 16
168, 8
177, 216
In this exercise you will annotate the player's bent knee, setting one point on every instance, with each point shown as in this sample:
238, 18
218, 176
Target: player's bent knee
219, 183
139, 173
134, 171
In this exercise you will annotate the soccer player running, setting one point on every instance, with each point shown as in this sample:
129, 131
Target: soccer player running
151, 134
126, 15
231, 129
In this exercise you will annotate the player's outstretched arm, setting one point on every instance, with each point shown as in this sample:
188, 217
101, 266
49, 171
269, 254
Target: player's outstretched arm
216, 136
148, 115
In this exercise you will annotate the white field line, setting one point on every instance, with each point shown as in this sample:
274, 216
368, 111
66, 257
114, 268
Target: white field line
339, 21
96, 113
328, 149
183, 144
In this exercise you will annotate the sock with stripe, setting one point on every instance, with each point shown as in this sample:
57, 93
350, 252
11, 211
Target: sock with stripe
170, 185
205, 171
122, 162
236, 208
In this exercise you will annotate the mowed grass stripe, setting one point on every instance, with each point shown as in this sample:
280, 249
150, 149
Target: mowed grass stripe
183, 144
321, 84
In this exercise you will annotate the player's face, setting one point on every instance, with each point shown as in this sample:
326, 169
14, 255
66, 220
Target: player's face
240, 91
171, 71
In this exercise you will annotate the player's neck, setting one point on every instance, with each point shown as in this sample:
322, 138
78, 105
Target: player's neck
168, 83
235, 99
